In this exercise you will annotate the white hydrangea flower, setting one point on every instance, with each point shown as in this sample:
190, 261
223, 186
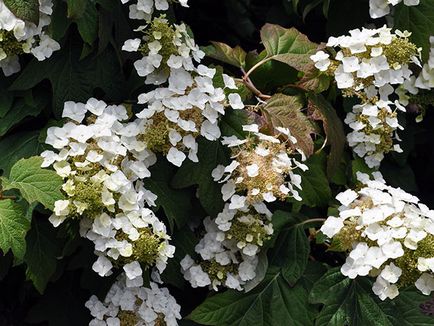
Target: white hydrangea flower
145, 306
374, 130
262, 168
102, 159
374, 65
144, 9
19, 37
380, 8
221, 262
388, 234
186, 104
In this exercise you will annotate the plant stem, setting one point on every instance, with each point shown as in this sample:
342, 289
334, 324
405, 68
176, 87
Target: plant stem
2, 197
257, 65
249, 84
312, 220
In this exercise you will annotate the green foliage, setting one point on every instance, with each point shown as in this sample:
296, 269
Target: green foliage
231, 123
350, 302
210, 155
316, 190
24, 9
288, 46
280, 86
13, 228
333, 128
76, 8
41, 255
222, 52
267, 304
19, 110
291, 250
35, 183
87, 22
17, 146
314, 80
184, 240
73, 79
285, 111
175, 203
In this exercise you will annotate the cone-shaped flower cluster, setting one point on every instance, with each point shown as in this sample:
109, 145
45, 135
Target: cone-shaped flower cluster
187, 104
373, 65
102, 162
261, 171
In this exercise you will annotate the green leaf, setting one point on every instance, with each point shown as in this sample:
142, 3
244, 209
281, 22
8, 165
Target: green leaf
42, 250
288, 46
27, 10
419, 20
6, 101
76, 8
175, 203
75, 80
314, 80
35, 183
315, 186
285, 111
273, 302
13, 228
223, 52
359, 165
352, 302
210, 154
17, 146
20, 110
333, 127
59, 25
271, 74
405, 309
87, 23
291, 252
231, 124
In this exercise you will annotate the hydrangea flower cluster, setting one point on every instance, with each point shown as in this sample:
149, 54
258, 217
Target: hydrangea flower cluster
131, 306
18, 36
374, 130
102, 162
164, 46
259, 171
228, 250
380, 8
260, 168
389, 235
372, 64
369, 57
189, 105
144, 9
